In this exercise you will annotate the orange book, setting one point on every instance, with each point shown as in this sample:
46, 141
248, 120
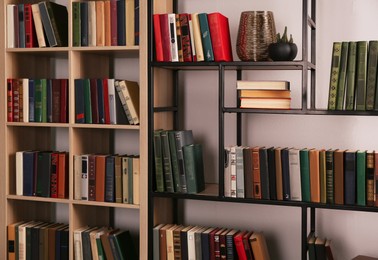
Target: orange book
314, 175
100, 23
63, 175
339, 176
12, 240
107, 23
258, 93
256, 173
100, 177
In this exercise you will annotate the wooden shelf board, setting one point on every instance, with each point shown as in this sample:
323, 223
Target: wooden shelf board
35, 198
106, 126
105, 204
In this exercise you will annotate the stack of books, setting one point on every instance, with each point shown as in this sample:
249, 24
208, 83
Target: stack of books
264, 94
319, 248
192, 37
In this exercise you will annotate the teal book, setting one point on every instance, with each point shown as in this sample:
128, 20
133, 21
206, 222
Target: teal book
76, 24
174, 161
334, 77
37, 100
362, 50
342, 76
87, 102
351, 76
361, 178
305, 174
194, 169
371, 80
44, 99
206, 38
158, 155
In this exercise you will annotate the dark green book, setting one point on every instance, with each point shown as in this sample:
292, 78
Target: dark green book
44, 100
342, 76
351, 76
334, 78
194, 169
305, 174
158, 155
76, 26
38, 100
361, 178
264, 174
43, 174
124, 245
371, 80
174, 161
183, 137
87, 101
329, 177
361, 75
370, 161
167, 162
206, 38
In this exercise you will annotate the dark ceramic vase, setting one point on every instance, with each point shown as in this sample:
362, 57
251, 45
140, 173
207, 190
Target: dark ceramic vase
282, 51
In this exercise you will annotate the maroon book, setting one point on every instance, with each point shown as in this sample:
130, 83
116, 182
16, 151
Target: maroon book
106, 100
159, 56
56, 100
63, 100
247, 245
185, 37
220, 37
54, 175
212, 243
165, 37
113, 23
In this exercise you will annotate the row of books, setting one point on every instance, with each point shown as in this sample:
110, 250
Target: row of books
106, 101
353, 79
42, 173
106, 23
172, 241
319, 248
43, 24
331, 176
192, 37
103, 243
37, 100
38, 240
178, 162
264, 94
107, 178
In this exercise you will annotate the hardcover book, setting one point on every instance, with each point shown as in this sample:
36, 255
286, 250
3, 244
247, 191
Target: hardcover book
305, 174
342, 76
371, 80
351, 76
295, 175
362, 178
334, 78
194, 169
206, 38
314, 175
220, 37
350, 165
339, 176
362, 51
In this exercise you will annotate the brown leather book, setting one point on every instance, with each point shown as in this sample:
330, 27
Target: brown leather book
163, 241
277, 157
107, 23
314, 175
100, 177
339, 176
256, 173
63, 175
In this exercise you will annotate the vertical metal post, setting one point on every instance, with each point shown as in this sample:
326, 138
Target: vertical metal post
304, 54
304, 233
238, 115
313, 54
312, 220
221, 129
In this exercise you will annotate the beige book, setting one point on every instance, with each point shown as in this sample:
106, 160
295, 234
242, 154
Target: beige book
92, 23
38, 25
136, 177
197, 37
130, 91
130, 22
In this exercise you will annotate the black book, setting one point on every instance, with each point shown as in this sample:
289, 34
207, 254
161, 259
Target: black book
350, 177
121, 23
285, 174
79, 101
100, 101
272, 173
264, 174
110, 179
43, 174
64, 241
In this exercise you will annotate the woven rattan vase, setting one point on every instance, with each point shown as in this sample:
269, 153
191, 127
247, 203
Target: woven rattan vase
256, 31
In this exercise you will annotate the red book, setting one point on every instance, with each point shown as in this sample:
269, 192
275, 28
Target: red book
55, 100
217, 248
212, 243
106, 101
113, 23
54, 175
94, 101
220, 36
247, 245
63, 100
185, 37
158, 42
10, 100
63, 175
30, 34
165, 37
239, 245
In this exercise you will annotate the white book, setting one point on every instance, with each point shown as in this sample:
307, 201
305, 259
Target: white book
227, 172
130, 91
77, 176
92, 23
25, 99
38, 25
112, 101
295, 175
19, 173
191, 36
78, 242
173, 36
120, 88
191, 243
233, 172
84, 177
240, 193
11, 41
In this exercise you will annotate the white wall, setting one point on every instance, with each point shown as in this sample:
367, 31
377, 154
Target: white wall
352, 233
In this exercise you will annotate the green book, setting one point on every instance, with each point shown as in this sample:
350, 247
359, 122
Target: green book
167, 162
158, 155
329, 177
334, 78
305, 174
342, 76
371, 80
351, 76
37, 100
322, 172
87, 101
361, 75
193, 160
206, 39
44, 100
361, 178
174, 161
76, 28
124, 245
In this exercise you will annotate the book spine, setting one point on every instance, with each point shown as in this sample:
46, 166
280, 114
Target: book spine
294, 172
119, 87
130, 22
371, 79
167, 164
194, 168
256, 173
110, 179
240, 193
21, 24
351, 76
322, 173
44, 99
175, 166
361, 75
350, 178
121, 23
305, 175
370, 179
47, 25
330, 177
76, 24
136, 24
159, 56
29, 27
361, 178
191, 33
206, 38
185, 38
179, 38
334, 78
264, 174
233, 175
54, 175
9, 100
63, 100
84, 177
83, 24
342, 76
92, 177
16, 100
173, 37
159, 175
113, 22
285, 174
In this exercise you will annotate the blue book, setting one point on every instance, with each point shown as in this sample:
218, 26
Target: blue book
100, 101
21, 25
206, 39
28, 160
110, 179
350, 177
121, 23
31, 100
79, 101
285, 174
84, 23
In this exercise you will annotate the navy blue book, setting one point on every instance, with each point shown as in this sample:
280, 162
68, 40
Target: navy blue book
31, 100
100, 100
121, 23
272, 173
136, 24
264, 174
285, 174
64, 249
49, 100
84, 23
79, 101
28, 167
21, 25
350, 177
110, 179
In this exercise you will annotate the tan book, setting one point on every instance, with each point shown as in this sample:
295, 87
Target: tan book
197, 37
259, 246
38, 25
130, 22
339, 176
118, 178
277, 157
107, 23
130, 91
265, 93
136, 179
125, 179
170, 244
92, 30
100, 23
314, 175
256, 173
